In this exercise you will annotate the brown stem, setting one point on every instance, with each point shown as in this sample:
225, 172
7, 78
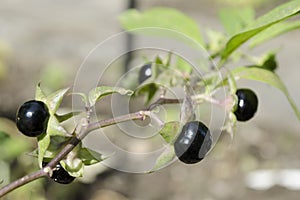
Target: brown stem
69, 147
162, 101
22, 181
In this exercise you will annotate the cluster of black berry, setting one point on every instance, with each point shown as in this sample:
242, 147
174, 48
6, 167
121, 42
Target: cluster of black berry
32, 121
195, 140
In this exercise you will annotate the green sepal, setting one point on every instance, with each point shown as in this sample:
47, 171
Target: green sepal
101, 91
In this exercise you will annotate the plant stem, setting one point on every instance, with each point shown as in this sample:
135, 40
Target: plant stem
162, 101
22, 181
74, 141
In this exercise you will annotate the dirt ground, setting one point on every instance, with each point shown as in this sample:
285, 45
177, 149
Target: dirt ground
64, 32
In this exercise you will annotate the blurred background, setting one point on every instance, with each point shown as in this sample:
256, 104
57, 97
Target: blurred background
48, 40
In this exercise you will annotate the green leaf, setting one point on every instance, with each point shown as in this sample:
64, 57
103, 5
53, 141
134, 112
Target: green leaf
234, 20
72, 163
64, 117
40, 95
269, 62
277, 15
43, 144
54, 100
74, 166
89, 157
158, 60
170, 131
99, 92
265, 76
55, 129
183, 66
56, 144
274, 31
164, 159
147, 89
165, 18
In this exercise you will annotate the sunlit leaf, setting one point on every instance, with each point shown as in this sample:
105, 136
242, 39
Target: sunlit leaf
160, 18
236, 19
274, 31
275, 16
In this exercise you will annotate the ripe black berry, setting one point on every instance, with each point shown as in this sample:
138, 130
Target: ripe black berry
145, 72
193, 142
60, 175
247, 104
32, 118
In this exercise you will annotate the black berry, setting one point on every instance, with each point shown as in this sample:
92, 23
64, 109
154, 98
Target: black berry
193, 142
247, 104
32, 118
145, 72
60, 175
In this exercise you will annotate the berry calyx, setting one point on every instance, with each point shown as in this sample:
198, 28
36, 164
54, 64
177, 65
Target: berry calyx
145, 72
193, 142
247, 104
32, 118
60, 175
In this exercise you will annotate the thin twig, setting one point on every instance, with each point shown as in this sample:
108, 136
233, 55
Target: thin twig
22, 181
162, 101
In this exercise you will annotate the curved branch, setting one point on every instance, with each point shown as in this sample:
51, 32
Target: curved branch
74, 141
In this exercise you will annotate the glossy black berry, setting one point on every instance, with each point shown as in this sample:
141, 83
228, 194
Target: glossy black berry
145, 72
193, 142
32, 118
60, 175
247, 104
